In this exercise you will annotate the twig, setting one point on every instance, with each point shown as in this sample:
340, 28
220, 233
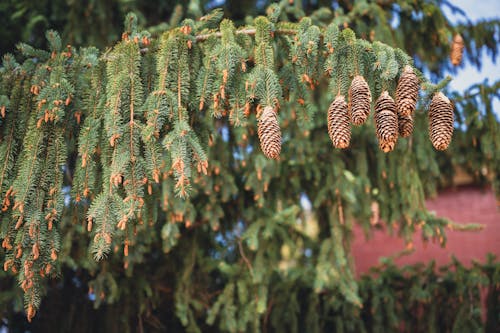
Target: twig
141, 326
340, 208
245, 259
268, 313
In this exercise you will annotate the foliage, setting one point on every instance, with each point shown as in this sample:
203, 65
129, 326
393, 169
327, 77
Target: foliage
409, 299
423, 30
142, 161
480, 130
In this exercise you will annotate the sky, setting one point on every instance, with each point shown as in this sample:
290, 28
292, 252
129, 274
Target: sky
477, 9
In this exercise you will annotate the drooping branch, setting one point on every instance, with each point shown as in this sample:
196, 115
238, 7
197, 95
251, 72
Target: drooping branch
205, 95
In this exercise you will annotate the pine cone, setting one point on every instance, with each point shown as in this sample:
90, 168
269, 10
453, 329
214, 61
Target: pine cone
269, 133
386, 122
360, 98
339, 127
440, 121
407, 92
405, 124
457, 50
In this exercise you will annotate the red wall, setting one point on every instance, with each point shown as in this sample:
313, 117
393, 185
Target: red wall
461, 205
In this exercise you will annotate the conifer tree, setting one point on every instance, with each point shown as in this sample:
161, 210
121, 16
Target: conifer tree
136, 169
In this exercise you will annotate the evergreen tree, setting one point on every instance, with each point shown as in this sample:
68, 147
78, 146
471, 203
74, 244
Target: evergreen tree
163, 176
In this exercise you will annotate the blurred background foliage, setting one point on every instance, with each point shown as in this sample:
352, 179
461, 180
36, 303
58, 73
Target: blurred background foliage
420, 27
413, 299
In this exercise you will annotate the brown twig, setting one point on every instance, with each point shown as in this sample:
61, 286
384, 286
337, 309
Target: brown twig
268, 313
245, 259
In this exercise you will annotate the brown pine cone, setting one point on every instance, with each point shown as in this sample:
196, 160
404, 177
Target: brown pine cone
269, 133
339, 127
405, 125
386, 122
457, 50
360, 99
440, 121
407, 92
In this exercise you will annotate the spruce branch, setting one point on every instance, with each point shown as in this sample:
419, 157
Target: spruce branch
244, 31
132, 125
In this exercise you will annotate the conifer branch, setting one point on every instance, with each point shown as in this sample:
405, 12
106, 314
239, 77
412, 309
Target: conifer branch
6, 161
162, 116
245, 31
22, 187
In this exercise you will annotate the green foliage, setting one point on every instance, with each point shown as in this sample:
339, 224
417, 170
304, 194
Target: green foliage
480, 129
418, 298
142, 160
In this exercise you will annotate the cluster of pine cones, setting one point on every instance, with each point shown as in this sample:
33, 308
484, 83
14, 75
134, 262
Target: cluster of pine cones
392, 118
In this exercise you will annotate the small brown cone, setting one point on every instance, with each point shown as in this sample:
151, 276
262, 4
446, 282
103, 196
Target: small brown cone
30, 313
269, 133
405, 125
339, 128
440, 121
457, 50
386, 122
407, 92
360, 99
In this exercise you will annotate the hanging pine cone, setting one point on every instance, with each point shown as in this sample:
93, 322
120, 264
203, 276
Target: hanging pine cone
269, 133
457, 50
386, 122
440, 121
405, 125
360, 98
339, 127
407, 92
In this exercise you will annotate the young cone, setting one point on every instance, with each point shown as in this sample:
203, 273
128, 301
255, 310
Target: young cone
440, 121
405, 125
457, 50
386, 122
360, 99
269, 133
339, 127
407, 92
